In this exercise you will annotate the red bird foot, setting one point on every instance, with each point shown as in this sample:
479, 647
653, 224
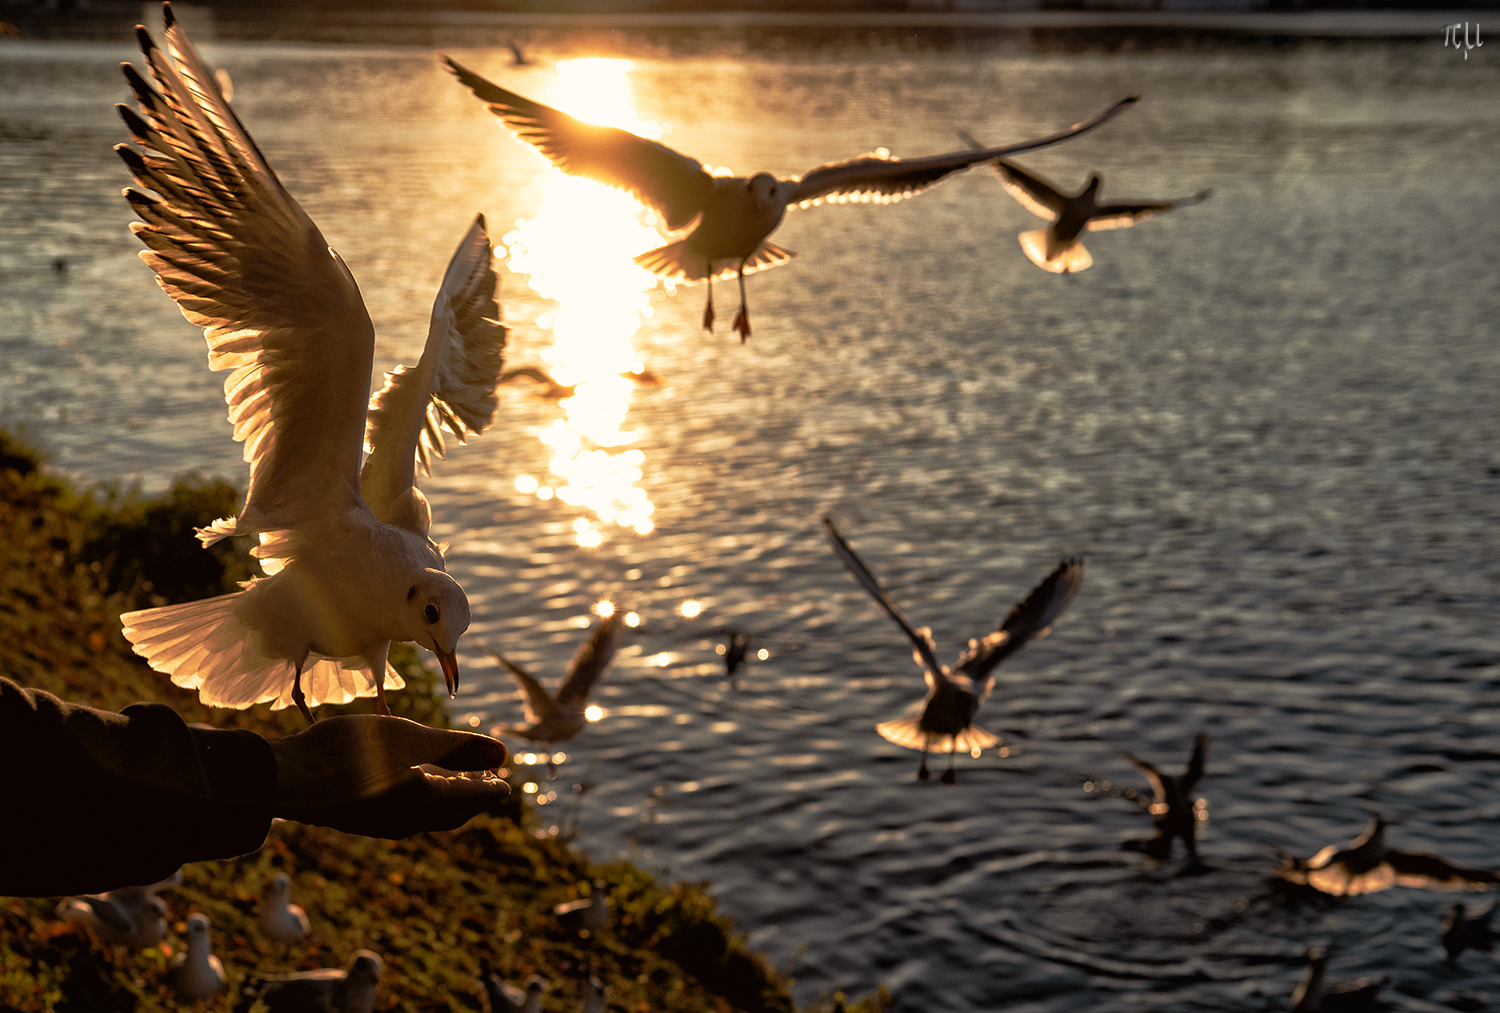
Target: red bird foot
949, 777
708, 318
742, 324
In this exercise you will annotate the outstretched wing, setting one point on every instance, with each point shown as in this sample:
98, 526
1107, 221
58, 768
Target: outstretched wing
1194, 772
1433, 872
1122, 216
538, 703
675, 185
882, 180
591, 660
1158, 786
452, 387
920, 640
1030, 619
1033, 193
245, 263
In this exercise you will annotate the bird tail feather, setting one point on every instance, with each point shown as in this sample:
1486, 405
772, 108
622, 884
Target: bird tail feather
1069, 260
206, 645
675, 263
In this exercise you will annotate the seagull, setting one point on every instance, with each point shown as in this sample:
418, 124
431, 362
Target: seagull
130, 916
507, 998
279, 919
517, 54
557, 718
1463, 931
734, 214
1057, 248
1177, 812
735, 647
1366, 865
326, 990
1312, 996
554, 391
954, 696
348, 561
199, 973
591, 914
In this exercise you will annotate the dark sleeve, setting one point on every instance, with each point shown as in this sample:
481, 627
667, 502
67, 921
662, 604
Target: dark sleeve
91, 800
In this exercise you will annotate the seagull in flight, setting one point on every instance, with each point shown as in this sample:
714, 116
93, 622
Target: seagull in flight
349, 565
1367, 865
954, 696
1175, 809
734, 215
560, 716
1057, 248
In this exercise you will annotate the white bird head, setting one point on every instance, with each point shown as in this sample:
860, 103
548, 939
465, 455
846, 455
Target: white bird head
197, 933
762, 187
278, 888
437, 613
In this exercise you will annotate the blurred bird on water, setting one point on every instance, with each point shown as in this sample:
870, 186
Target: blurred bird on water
1176, 812
1367, 865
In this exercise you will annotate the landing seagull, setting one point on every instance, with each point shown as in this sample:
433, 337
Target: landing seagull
1367, 865
734, 214
1175, 809
1057, 248
348, 562
953, 697
554, 718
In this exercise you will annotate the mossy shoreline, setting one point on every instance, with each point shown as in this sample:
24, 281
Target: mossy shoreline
433, 907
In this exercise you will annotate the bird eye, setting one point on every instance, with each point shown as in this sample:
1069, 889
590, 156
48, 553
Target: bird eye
431, 612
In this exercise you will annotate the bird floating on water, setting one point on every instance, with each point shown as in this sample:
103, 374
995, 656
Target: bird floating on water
349, 563
1177, 813
1057, 248
734, 214
350, 989
953, 697
1464, 931
1367, 865
131, 916
506, 998
1313, 995
555, 718
198, 973
280, 919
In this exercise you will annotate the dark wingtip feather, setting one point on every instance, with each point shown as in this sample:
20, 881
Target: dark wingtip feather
131, 157
144, 93
138, 200
143, 37
137, 126
168, 18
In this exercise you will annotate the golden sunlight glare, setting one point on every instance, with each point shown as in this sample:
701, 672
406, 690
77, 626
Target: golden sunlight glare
577, 250
593, 712
691, 609
604, 609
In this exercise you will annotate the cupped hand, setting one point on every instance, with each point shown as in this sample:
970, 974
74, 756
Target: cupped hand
385, 776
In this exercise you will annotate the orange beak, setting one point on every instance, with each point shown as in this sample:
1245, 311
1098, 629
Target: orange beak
449, 661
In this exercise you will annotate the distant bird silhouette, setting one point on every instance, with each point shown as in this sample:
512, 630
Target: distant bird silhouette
734, 214
1367, 865
517, 54
953, 697
1463, 931
1057, 248
130, 916
555, 718
198, 973
59, 266
281, 920
594, 992
1314, 996
350, 989
735, 647
1174, 807
505, 998
591, 914
554, 391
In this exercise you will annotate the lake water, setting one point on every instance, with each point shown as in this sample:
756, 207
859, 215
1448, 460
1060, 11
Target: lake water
1269, 423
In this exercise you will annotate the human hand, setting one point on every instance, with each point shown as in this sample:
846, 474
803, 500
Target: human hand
359, 773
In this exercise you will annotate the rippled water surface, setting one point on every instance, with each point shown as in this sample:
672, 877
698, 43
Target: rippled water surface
1269, 422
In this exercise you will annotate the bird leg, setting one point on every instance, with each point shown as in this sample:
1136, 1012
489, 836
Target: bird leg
922, 772
298, 698
949, 777
381, 707
742, 318
708, 310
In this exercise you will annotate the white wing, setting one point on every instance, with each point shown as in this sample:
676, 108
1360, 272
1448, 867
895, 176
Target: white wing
245, 263
879, 179
1123, 216
452, 387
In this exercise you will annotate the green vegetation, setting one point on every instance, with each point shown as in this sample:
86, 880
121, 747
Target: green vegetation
432, 906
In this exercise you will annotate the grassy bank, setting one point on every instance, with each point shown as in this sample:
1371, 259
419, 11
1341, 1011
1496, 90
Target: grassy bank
433, 906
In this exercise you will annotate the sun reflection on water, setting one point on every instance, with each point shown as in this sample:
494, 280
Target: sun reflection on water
577, 251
